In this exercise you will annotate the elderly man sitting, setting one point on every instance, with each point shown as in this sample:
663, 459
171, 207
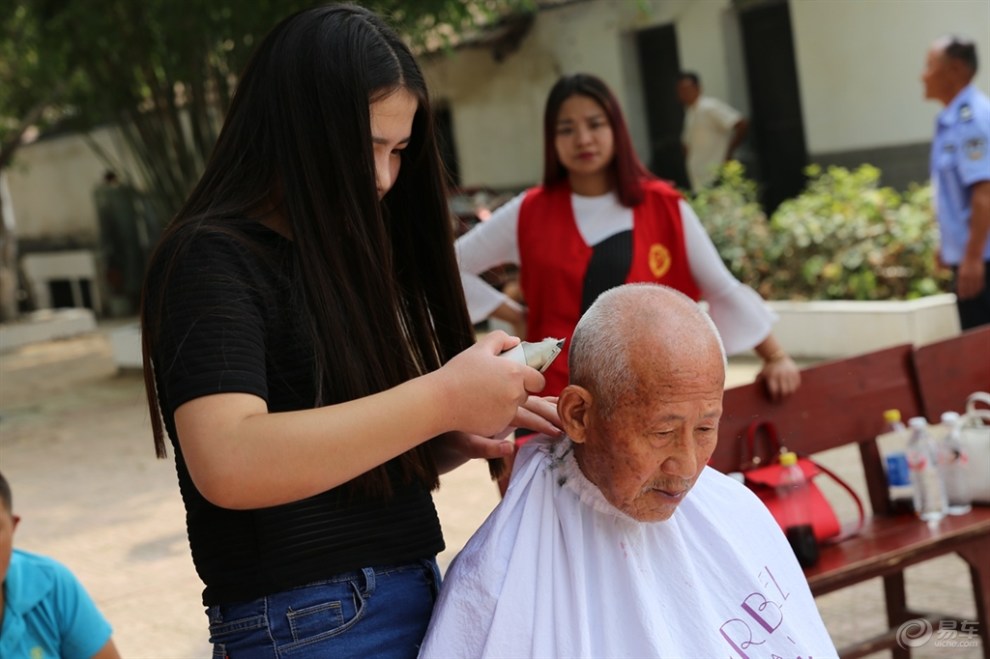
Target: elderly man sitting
618, 541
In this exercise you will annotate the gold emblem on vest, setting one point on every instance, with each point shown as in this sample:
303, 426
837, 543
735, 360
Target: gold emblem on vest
659, 260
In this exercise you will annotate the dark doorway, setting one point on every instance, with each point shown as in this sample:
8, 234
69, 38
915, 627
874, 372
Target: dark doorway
658, 66
775, 100
64, 293
445, 140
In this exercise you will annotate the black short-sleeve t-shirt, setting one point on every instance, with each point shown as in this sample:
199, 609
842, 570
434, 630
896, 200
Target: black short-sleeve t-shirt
231, 322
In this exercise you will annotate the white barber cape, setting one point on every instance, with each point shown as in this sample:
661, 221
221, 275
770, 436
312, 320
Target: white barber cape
557, 571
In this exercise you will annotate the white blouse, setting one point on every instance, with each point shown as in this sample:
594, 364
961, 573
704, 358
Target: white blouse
739, 313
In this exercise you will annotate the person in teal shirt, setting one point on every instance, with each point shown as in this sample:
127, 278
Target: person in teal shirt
46, 613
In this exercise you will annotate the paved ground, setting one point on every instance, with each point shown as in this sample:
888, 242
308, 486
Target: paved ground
76, 446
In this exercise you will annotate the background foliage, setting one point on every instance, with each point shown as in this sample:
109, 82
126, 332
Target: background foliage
844, 237
163, 71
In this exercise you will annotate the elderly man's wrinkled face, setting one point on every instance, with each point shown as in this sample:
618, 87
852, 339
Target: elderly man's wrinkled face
646, 456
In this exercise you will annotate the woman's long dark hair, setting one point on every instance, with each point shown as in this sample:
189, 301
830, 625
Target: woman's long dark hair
626, 169
379, 279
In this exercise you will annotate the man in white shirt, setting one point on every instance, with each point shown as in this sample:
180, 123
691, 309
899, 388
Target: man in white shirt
712, 131
618, 540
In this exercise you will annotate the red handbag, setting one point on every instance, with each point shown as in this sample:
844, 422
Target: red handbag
764, 480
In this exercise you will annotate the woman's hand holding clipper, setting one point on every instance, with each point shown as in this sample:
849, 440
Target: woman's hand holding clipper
483, 393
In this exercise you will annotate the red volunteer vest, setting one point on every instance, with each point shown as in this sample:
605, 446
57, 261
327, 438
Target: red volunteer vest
554, 258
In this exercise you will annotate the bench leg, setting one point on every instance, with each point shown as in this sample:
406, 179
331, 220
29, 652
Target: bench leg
896, 598
978, 558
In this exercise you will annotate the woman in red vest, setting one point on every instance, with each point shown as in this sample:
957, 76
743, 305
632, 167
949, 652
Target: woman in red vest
601, 219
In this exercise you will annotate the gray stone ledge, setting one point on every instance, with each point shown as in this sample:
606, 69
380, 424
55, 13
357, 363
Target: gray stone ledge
46, 325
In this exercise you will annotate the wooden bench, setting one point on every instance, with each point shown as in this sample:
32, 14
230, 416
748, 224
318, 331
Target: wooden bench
841, 403
948, 371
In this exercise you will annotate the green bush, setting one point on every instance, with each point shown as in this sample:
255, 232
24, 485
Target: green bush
843, 238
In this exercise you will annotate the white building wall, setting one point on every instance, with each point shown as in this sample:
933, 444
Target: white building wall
496, 110
707, 43
497, 107
703, 48
860, 62
51, 186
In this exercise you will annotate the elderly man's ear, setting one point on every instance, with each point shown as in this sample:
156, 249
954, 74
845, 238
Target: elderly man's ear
574, 407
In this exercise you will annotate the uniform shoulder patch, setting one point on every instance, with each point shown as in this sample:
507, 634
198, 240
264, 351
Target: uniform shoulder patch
975, 148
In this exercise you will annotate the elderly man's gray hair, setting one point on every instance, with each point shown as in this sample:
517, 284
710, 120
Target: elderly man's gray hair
599, 357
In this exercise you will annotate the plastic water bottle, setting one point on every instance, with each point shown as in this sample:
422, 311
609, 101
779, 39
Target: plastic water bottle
793, 493
929, 490
954, 464
899, 490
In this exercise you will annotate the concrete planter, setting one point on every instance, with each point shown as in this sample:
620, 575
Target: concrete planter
46, 325
808, 330
125, 343
827, 329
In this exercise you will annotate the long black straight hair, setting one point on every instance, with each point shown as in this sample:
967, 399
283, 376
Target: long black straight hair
378, 278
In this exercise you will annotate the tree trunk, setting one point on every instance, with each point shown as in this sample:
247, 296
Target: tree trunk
8, 231
8, 255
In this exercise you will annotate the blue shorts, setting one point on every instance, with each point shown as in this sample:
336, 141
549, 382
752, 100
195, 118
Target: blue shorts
380, 612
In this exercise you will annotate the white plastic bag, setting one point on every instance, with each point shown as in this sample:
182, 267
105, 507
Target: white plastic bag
976, 442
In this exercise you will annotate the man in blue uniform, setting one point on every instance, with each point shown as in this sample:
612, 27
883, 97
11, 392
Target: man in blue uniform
960, 171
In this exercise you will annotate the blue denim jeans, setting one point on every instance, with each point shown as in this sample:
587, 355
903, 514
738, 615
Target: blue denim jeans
372, 612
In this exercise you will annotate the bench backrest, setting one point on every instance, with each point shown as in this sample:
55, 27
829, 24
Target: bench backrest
838, 403
950, 370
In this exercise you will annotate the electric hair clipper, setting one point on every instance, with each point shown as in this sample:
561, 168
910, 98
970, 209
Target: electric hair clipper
538, 355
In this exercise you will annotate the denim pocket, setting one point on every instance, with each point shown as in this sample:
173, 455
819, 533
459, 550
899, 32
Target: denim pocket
379, 612
237, 626
324, 618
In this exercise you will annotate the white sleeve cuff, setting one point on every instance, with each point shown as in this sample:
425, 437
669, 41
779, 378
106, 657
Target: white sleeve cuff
482, 299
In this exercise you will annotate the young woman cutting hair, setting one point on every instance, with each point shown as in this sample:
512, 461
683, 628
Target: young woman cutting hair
308, 354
